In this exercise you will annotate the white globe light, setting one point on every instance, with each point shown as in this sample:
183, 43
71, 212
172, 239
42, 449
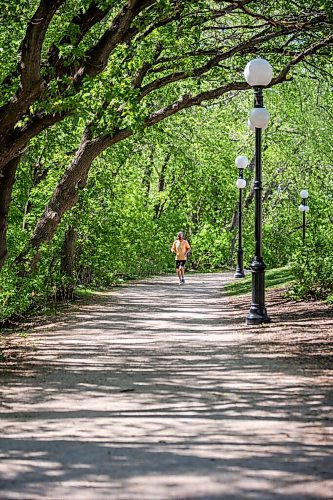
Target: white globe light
258, 73
304, 193
259, 117
306, 208
301, 208
251, 127
241, 183
241, 161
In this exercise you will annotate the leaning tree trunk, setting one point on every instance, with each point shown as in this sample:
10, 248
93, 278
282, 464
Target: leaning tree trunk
64, 197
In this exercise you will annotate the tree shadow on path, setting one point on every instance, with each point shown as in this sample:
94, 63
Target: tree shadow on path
145, 396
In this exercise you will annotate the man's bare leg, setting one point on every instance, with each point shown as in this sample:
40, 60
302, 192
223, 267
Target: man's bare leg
179, 274
182, 269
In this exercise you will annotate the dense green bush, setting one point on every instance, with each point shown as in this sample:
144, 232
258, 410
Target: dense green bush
19, 294
211, 248
312, 266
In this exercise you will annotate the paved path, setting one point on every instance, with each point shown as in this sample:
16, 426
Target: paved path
162, 392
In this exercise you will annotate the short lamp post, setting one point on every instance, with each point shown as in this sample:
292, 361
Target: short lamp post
241, 162
258, 73
303, 208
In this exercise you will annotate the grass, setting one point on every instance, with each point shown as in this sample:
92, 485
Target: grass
84, 292
274, 278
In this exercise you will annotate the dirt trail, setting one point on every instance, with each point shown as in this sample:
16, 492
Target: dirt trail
162, 392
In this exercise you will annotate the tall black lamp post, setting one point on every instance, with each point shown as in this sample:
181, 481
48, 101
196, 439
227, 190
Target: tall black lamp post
241, 162
303, 208
258, 73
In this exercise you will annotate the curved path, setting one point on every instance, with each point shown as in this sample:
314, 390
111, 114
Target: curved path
157, 391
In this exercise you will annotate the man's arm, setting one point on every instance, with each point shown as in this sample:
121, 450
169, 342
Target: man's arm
188, 248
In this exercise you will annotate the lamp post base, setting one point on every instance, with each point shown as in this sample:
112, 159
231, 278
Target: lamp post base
239, 273
258, 313
257, 316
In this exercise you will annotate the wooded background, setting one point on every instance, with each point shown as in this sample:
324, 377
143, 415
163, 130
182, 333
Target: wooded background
120, 122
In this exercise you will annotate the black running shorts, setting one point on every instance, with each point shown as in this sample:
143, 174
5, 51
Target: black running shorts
180, 263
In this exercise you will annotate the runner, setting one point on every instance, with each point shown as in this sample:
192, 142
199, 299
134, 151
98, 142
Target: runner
182, 249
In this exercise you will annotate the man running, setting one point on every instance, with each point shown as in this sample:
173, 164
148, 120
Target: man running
182, 249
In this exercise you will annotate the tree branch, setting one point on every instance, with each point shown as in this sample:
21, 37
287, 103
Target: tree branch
16, 142
32, 85
241, 48
300, 21
33, 42
302, 55
84, 22
118, 32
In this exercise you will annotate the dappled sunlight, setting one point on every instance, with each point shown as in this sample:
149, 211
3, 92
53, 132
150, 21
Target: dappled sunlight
175, 397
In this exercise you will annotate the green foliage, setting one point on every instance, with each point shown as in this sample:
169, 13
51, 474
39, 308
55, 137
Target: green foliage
19, 294
211, 247
180, 174
312, 265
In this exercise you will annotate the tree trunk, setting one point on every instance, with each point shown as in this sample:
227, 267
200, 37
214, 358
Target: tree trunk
64, 198
146, 179
68, 261
38, 174
161, 186
232, 229
68, 251
7, 180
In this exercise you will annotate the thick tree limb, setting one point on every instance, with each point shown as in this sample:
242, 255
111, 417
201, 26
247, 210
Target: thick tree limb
33, 42
15, 144
32, 84
84, 23
118, 32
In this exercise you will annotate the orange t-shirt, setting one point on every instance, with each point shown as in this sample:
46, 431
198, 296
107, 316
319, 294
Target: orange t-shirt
181, 247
